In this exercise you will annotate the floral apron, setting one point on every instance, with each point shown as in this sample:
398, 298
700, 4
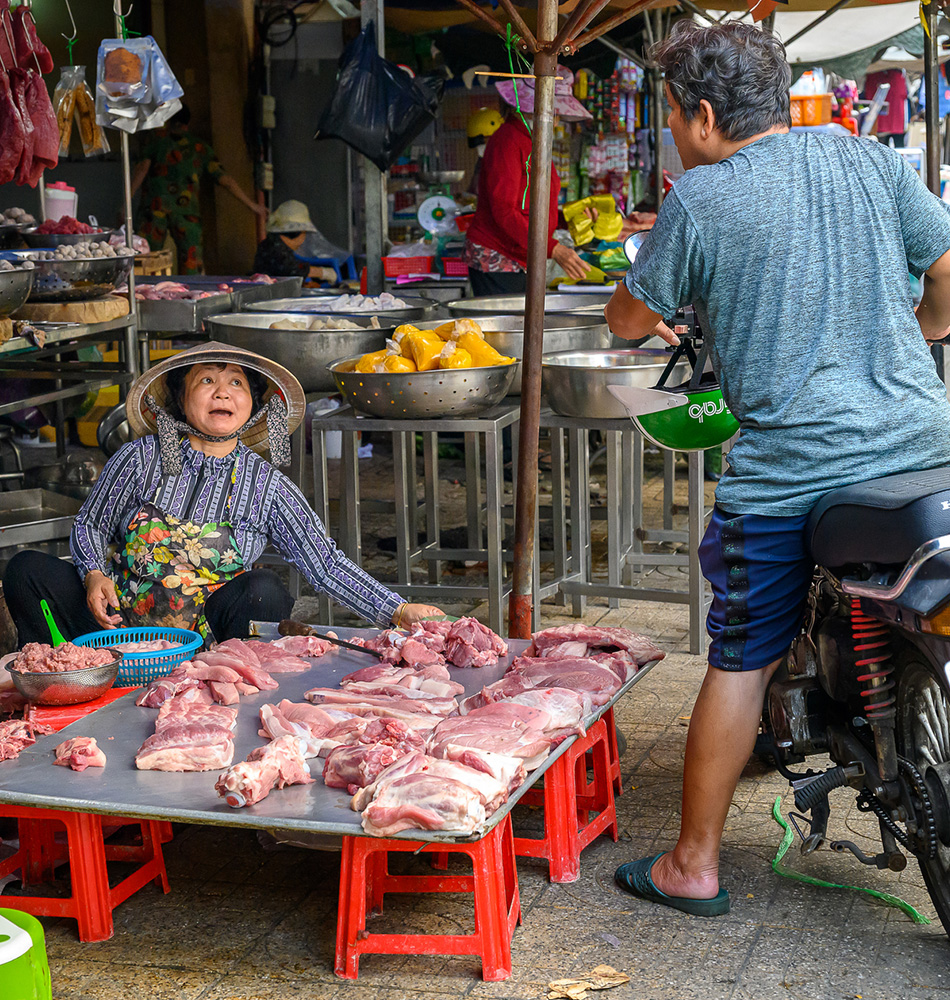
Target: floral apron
170, 566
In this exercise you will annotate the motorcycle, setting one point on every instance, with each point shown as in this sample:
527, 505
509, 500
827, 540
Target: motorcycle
867, 680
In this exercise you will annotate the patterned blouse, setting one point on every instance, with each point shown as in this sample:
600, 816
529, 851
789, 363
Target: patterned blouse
262, 506
481, 258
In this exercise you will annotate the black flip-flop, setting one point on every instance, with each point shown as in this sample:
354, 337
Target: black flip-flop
634, 877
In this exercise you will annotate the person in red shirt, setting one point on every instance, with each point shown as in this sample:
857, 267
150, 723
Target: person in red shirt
497, 240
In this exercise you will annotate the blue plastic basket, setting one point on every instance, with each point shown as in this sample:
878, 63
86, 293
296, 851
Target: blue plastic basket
141, 668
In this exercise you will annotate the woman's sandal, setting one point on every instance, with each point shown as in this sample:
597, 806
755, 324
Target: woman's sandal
634, 877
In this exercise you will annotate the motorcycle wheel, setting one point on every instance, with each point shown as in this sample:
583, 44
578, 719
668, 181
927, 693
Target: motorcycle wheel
923, 737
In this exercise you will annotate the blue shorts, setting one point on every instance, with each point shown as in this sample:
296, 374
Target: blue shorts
760, 572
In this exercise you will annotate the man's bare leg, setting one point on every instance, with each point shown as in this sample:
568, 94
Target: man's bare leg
722, 733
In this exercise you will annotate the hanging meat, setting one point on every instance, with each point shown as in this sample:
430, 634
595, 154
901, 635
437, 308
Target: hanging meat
7, 54
19, 81
28, 42
45, 129
12, 131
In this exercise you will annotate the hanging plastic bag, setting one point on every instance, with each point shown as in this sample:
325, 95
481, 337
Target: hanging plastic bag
64, 104
73, 104
377, 107
135, 87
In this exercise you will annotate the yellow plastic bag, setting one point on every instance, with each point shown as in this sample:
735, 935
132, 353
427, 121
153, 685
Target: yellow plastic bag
483, 354
425, 346
401, 337
367, 363
445, 331
395, 363
453, 356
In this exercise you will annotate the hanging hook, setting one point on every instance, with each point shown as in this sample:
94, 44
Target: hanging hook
117, 9
70, 38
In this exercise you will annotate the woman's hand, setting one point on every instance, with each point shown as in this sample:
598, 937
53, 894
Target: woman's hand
571, 263
408, 614
100, 596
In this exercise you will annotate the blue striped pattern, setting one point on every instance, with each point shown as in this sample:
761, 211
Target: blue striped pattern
264, 506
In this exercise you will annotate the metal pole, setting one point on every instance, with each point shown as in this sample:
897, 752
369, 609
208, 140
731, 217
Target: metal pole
131, 331
526, 493
657, 108
932, 113
373, 179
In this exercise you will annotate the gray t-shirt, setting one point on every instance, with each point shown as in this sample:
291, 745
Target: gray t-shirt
796, 251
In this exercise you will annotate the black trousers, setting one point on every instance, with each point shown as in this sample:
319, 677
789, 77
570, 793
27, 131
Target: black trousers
31, 577
498, 282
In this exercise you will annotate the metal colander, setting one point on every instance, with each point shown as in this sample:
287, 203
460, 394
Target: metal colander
458, 392
64, 687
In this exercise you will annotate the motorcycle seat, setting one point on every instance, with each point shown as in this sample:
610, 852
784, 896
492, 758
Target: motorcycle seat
882, 521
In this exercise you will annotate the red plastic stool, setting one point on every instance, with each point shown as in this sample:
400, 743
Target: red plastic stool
569, 799
614, 751
92, 901
365, 879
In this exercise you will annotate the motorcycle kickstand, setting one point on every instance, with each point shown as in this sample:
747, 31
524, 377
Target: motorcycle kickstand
890, 858
817, 825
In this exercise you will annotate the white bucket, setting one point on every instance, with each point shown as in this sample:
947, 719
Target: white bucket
61, 200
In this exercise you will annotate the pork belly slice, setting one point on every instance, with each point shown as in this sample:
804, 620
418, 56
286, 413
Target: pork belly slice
163, 688
423, 801
469, 643
502, 728
510, 771
567, 640
275, 765
568, 708
79, 753
190, 707
432, 680
579, 674
250, 673
188, 747
393, 705
276, 660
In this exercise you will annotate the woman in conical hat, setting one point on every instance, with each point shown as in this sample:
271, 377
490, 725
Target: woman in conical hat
187, 509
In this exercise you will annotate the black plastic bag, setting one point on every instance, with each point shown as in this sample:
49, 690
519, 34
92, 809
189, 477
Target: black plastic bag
377, 108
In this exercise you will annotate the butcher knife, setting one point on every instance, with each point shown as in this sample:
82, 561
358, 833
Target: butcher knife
289, 627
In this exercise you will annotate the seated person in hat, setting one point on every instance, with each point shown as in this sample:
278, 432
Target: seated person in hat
287, 229
172, 529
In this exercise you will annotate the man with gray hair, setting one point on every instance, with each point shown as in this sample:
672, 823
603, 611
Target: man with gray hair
795, 249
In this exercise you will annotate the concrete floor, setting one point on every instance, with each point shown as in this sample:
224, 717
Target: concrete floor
246, 923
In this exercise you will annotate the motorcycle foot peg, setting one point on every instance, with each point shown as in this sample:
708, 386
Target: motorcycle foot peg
810, 791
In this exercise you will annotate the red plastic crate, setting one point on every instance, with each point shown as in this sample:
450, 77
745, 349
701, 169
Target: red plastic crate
455, 267
393, 267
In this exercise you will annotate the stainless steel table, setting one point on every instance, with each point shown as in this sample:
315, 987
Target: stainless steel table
119, 789
626, 530
482, 428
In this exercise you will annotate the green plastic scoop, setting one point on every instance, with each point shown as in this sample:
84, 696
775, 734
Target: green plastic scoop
54, 632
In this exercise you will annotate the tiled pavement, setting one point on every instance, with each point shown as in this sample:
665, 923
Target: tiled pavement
244, 923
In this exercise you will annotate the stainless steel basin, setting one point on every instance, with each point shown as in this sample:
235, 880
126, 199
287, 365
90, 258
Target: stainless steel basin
305, 352
415, 309
561, 333
575, 382
585, 303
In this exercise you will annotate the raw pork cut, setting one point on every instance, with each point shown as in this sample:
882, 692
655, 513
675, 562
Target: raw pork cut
510, 730
79, 753
304, 645
27, 42
380, 704
45, 128
188, 747
15, 735
163, 688
469, 643
423, 801
358, 765
190, 707
510, 771
490, 790
276, 660
576, 673
19, 80
275, 765
432, 679
582, 640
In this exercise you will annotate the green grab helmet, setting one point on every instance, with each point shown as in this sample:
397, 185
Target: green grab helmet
678, 419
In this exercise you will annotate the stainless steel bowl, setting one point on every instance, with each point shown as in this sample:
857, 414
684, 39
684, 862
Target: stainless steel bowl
561, 333
42, 241
415, 308
15, 289
64, 687
591, 303
575, 382
442, 176
113, 430
77, 280
305, 352
458, 392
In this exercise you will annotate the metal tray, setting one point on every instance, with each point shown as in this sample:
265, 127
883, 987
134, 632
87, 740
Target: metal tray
30, 516
119, 789
180, 315
305, 352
